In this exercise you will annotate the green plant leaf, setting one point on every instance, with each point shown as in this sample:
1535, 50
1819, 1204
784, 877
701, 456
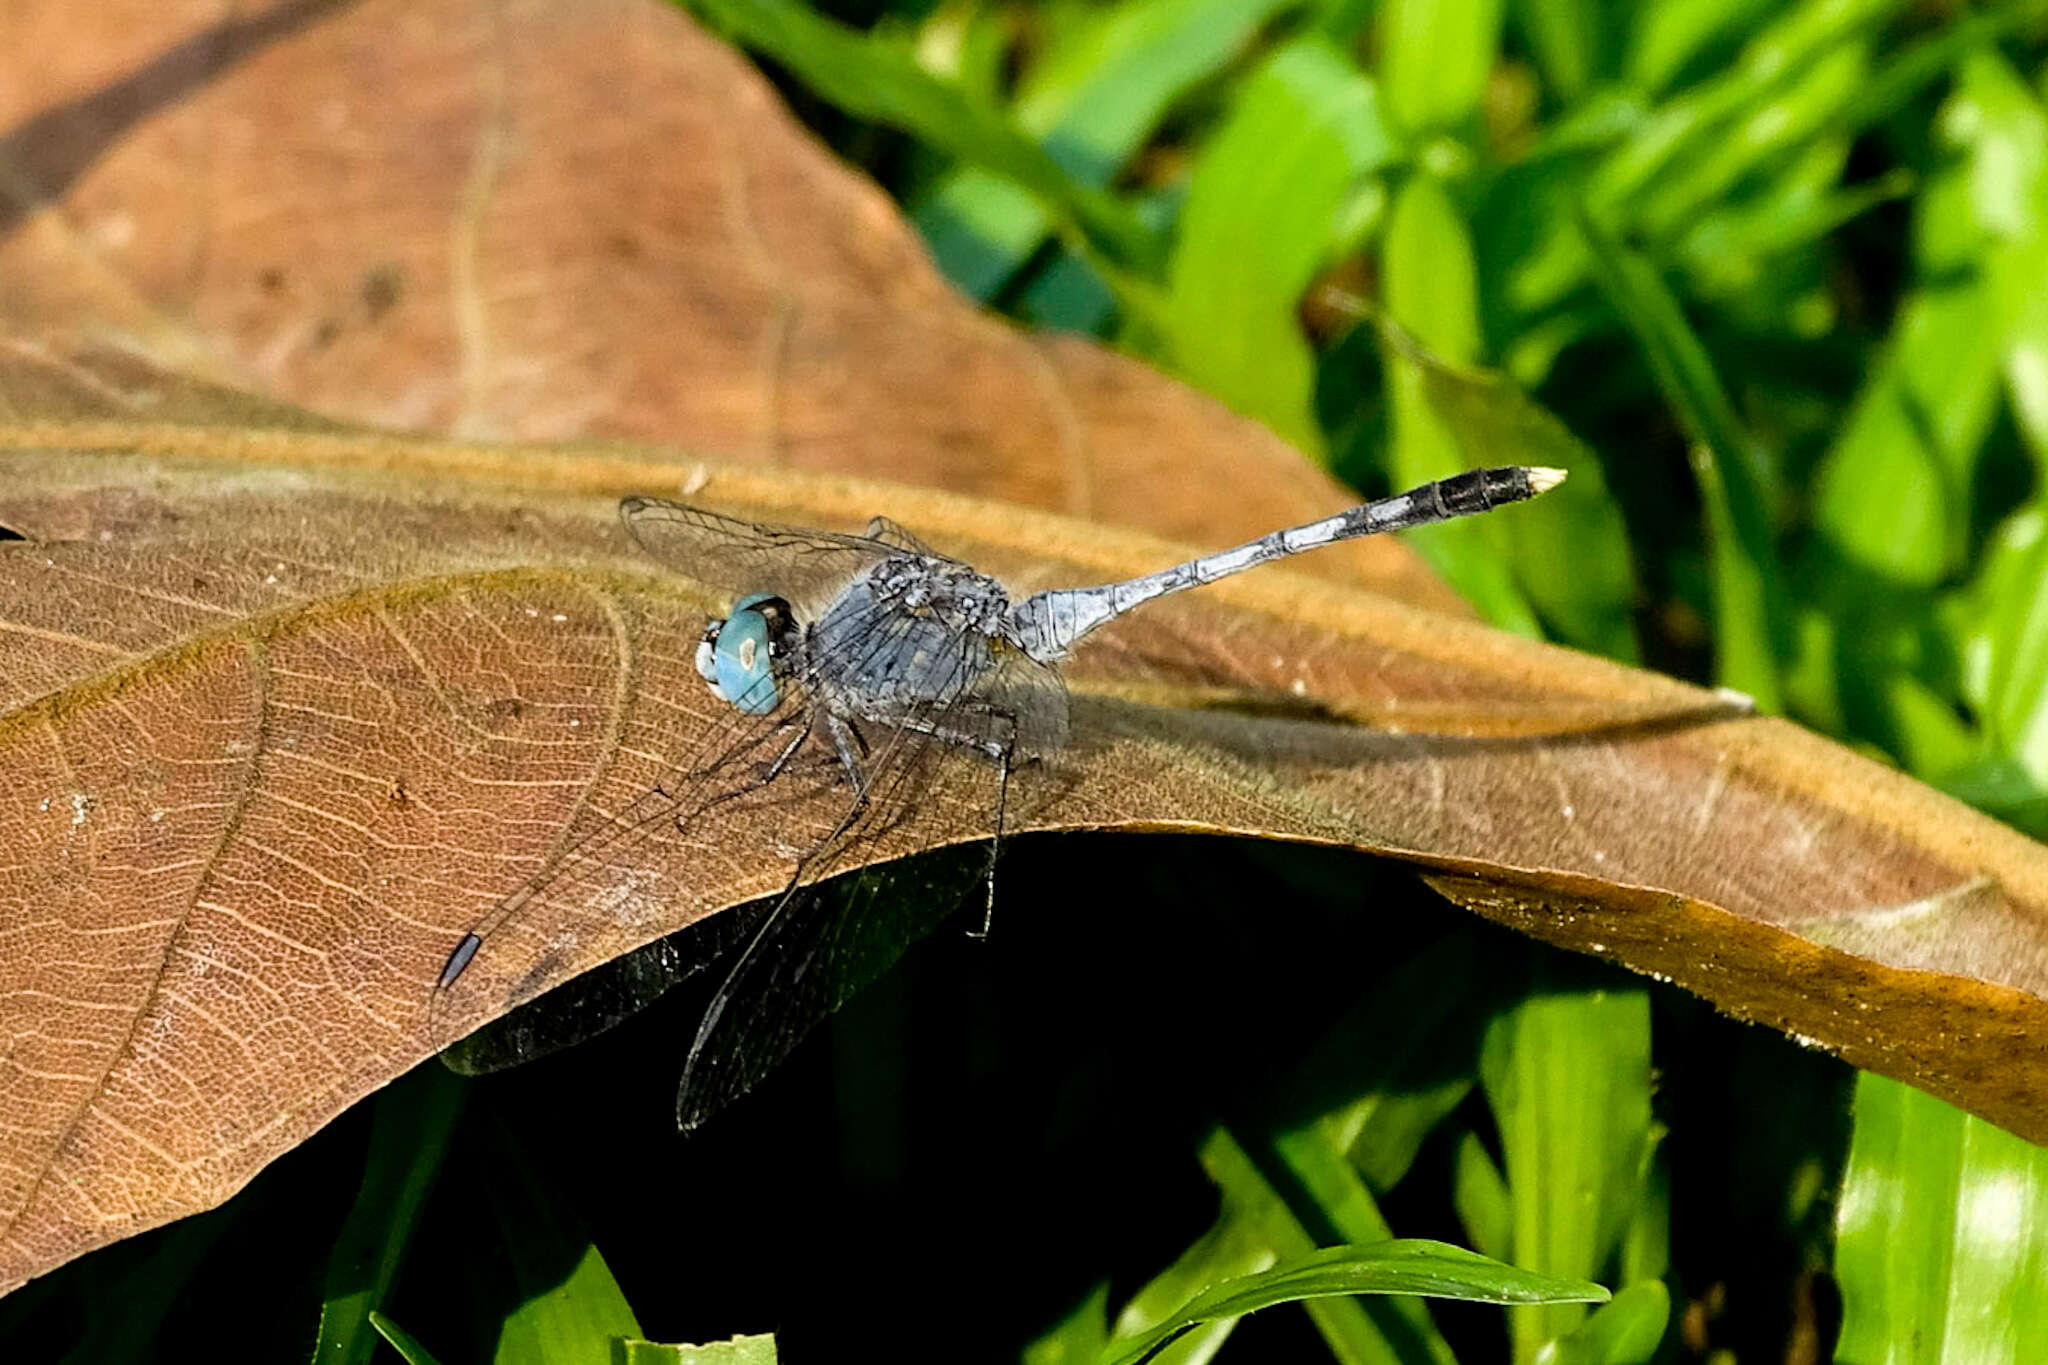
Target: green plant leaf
1373, 1332
755, 1350
1091, 102
1079, 1337
1567, 1074
877, 79
567, 1318
1432, 295
1732, 471
1260, 219
1435, 56
401, 1340
1624, 1331
407, 1142
1232, 1247
1479, 1192
1432, 1269
1941, 1235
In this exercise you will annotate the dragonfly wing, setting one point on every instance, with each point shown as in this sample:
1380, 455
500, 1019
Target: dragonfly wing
584, 1007
891, 532
927, 777
750, 790
804, 567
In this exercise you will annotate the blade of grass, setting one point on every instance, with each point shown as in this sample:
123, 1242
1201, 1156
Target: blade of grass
1941, 1235
1260, 220
1626, 1331
1749, 614
1375, 1332
1435, 56
1382, 1077
1572, 557
1567, 1074
1892, 494
1229, 1249
1397, 1267
1479, 1192
1076, 1339
758, 1350
1432, 293
879, 80
408, 1139
401, 1340
1092, 101
562, 1318
1569, 40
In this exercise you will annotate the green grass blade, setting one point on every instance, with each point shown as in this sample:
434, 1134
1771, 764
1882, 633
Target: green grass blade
1378, 1082
1231, 1248
2009, 633
408, 1139
1569, 38
1571, 554
1091, 102
1079, 1338
1375, 1332
756, 1350
1567, 1074
1435, 56
878, 80
1260, 220
1749, 614
1625, 1331
1941, 1235
1432, 294
1479, 1192
563, 1318
1893, 492
1433, 1269
575, 1320
1669, 34
401, 1340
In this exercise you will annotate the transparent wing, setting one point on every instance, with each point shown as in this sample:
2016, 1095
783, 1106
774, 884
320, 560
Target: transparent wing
891, 532
620, 869
584, 1007
804, 567
753, 790
928, 777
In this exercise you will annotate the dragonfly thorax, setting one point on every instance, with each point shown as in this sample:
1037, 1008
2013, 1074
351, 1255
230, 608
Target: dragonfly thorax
911, 631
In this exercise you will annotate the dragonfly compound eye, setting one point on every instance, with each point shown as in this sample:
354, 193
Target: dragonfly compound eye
740, 664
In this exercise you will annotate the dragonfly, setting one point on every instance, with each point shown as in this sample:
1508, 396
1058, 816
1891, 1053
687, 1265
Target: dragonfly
884, 677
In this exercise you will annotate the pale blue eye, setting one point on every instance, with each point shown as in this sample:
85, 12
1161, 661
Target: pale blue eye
740, 671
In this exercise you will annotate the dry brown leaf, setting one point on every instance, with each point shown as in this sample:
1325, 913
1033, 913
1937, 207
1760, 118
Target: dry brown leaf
565, 220
286, 710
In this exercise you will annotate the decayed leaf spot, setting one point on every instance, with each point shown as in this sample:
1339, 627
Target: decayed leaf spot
281, 722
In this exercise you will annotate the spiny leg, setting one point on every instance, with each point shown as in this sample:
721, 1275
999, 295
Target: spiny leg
1003, 752
850, 745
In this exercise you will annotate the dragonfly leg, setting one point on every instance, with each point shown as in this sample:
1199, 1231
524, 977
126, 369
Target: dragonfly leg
1003, 751
849, 744
781, 761
995, 845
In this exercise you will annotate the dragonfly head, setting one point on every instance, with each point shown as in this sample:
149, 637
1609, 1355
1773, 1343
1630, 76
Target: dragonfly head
737, 655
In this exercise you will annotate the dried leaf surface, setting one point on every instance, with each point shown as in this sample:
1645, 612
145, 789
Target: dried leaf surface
286, 710
564, 220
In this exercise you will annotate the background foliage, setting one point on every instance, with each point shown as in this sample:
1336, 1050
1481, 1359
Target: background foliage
1774, 281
